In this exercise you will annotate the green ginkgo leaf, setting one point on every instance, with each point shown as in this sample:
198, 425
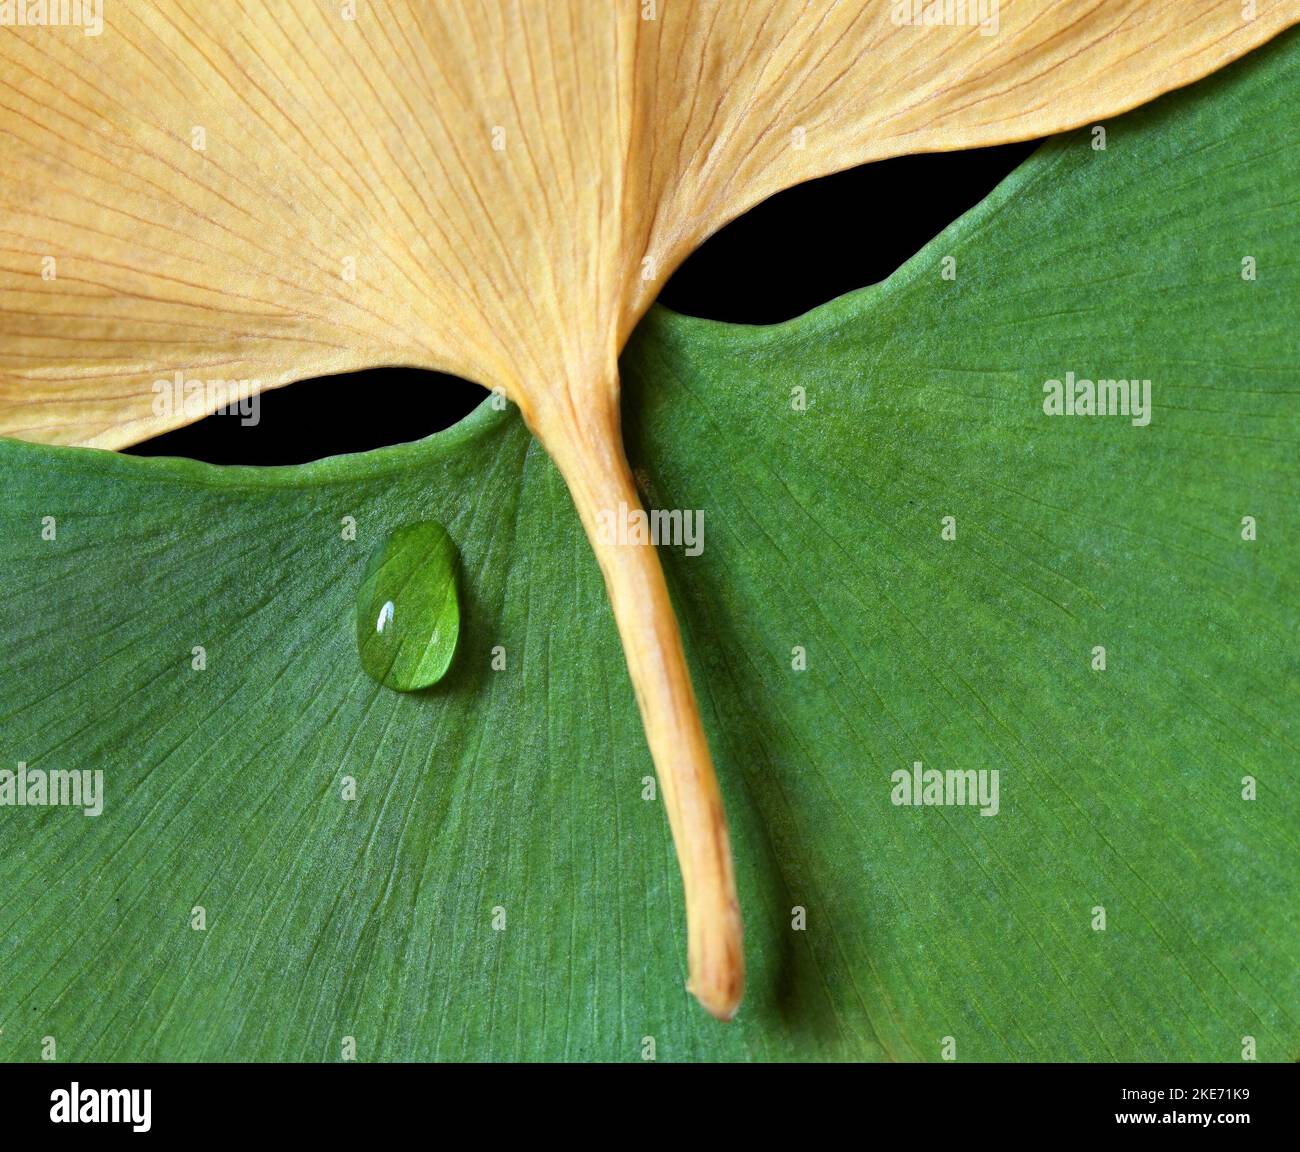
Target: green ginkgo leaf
916, 562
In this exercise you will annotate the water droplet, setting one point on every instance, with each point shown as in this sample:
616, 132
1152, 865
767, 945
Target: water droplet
408, 608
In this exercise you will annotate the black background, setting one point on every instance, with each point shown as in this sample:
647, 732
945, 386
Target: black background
342, 1105
789, 254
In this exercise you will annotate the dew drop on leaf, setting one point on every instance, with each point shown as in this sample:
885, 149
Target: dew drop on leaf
408, 608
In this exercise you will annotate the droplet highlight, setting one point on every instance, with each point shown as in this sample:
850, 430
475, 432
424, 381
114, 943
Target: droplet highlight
408, 607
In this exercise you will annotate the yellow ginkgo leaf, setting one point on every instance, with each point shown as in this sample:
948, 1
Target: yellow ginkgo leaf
251, 193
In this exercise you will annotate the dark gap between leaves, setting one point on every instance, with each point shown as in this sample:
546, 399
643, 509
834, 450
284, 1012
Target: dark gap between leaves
816, 241
327, 416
